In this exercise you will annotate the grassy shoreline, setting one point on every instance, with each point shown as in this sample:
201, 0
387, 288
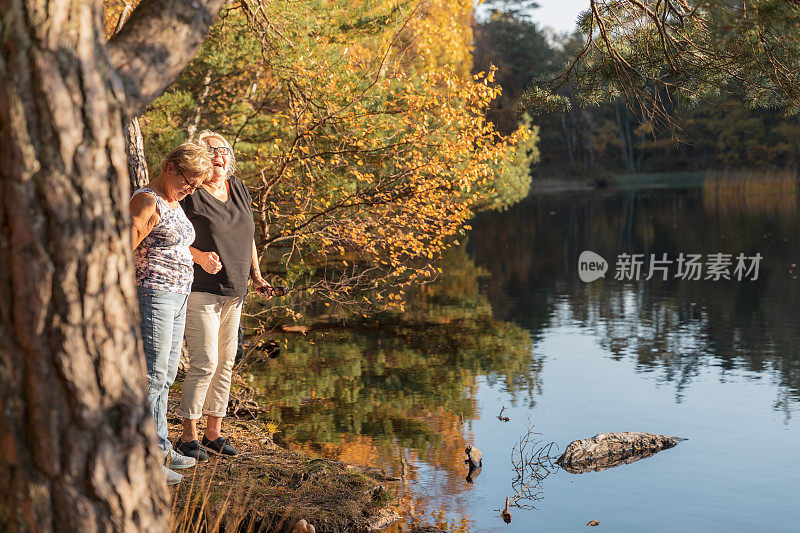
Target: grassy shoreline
763, 178
268, 488
546, 185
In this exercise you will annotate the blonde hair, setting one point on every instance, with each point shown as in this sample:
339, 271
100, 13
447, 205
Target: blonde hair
232, 168
190, 158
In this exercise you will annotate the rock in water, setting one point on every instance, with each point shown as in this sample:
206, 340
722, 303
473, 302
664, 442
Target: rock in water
607, 450
474, 472
473, 456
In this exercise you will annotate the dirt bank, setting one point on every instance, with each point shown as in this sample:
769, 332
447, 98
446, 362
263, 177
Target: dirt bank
272, 488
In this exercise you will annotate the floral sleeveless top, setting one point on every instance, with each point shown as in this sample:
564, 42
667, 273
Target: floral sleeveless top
163, 260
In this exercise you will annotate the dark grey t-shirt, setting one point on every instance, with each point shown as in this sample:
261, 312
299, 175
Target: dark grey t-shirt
228, 229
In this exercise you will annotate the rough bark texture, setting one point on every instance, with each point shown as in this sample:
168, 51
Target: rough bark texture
77, 444
134, 144
607, 450
134, 147
166, 33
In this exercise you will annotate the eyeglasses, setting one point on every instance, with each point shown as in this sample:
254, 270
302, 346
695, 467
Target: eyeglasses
189, 183
221, 150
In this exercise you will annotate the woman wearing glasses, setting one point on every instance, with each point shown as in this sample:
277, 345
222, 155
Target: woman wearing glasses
224, 253
161, 236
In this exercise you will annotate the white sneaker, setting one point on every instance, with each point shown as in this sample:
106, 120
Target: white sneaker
173, 478
178, 461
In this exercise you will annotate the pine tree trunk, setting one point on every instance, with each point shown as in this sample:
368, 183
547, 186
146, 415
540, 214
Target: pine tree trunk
134, 147
567, 137
77, 444
134, 144
624, 126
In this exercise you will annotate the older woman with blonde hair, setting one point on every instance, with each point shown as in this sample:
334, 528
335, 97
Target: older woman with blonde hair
161, 236
225, 257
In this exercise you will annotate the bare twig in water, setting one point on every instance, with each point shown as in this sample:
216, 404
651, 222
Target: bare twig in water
532, 462
502, 418
506, 514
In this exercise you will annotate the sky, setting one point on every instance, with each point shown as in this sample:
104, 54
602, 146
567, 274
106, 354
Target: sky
559, 14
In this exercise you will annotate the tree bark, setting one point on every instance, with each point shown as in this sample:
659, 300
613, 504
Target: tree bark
134, 147
77, 443
134, 144
163, 34
626, 144
567, 138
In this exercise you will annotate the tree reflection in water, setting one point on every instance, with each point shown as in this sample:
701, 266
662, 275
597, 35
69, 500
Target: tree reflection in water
673, 329
395, 389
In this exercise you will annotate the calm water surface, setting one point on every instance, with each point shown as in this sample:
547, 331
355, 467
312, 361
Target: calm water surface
511, 325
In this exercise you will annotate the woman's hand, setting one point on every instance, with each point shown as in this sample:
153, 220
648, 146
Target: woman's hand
208, 261
261, 285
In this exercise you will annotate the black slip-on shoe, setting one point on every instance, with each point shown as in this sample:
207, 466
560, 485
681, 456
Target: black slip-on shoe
191, 449
219, 446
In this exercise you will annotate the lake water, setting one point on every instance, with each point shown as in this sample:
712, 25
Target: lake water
510, 324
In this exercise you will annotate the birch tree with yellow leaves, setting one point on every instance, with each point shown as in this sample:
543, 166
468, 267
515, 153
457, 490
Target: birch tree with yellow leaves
360, 131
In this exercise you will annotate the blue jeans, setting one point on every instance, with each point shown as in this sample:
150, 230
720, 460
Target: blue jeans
163, 317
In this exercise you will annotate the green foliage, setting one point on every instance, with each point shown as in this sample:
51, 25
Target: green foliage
513, 175
587, 128
513, 44
675, 53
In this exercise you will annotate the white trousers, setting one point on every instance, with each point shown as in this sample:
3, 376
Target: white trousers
212, 335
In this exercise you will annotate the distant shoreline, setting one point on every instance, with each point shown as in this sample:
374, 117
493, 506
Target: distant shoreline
665, 180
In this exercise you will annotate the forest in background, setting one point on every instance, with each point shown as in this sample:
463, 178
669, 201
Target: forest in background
371, 133
590, 141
